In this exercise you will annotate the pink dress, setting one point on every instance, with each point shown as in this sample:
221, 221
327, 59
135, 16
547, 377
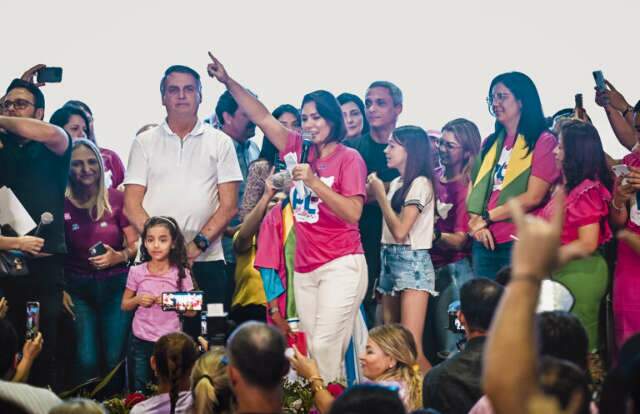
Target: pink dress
626, 282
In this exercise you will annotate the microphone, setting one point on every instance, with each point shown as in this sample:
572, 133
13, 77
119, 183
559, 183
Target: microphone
306, 145
45, 219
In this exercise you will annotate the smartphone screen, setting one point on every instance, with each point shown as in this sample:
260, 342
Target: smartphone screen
182, 301
50, 75
33, 319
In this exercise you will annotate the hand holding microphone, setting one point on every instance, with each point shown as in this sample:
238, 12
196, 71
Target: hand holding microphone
46, 218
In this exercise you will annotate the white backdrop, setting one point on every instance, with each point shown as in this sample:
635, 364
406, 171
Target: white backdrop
442, 54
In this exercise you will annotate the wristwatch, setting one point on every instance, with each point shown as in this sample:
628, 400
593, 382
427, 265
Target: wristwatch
201, 242
485, 217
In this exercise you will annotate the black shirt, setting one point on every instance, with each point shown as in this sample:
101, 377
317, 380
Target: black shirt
455, 385
38, 178
371, 219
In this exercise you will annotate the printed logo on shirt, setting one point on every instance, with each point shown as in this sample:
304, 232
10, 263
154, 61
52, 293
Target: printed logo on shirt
501, 169
108, 181
103, 224
306, 209
443, 209
75, 227
67, 216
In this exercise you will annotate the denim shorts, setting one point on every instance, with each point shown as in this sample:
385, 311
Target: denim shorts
403, 268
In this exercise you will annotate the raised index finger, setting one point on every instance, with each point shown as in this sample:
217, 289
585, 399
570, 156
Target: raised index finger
213, 58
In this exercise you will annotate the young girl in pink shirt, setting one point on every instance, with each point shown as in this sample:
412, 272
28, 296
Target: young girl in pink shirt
164, 268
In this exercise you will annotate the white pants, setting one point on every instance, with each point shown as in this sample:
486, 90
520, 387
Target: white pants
327, 300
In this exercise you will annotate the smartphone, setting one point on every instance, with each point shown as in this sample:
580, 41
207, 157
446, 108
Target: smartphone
97, 249
33, 319
599, 78
620, 169
578, 99
182, 301
203, 324
50, 75
455, 325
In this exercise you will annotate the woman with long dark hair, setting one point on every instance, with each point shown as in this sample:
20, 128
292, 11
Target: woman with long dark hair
330, 270
516, 160
588, 184
354, 115
407, 277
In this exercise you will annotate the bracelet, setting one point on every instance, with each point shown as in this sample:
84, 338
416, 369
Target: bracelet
626, 111
613, 204
274, 309
315, 388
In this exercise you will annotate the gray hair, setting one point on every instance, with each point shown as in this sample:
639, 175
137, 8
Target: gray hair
394, 91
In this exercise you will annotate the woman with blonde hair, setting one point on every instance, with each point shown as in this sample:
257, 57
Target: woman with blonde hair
391, 360
100, 242
210, 384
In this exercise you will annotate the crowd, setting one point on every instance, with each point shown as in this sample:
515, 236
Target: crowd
410, 265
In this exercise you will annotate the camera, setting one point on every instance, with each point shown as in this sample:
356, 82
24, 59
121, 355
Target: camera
455, 325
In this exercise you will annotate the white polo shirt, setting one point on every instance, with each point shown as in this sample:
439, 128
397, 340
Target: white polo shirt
181, 176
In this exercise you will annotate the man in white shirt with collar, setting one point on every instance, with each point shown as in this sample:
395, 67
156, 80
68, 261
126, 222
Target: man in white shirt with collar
186, 169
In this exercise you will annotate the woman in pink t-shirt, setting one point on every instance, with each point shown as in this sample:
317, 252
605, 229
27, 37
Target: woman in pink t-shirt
327, 199
516, 161
625, 214
587, 183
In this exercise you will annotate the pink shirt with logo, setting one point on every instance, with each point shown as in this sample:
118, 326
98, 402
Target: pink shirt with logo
322, 236
113, 168
543, 166
452, 217
151, 323
81, 233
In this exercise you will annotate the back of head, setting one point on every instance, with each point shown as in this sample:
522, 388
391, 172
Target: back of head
8, 347
210, 383
368, 399
328, 108
479, 300
561, 379
561, 335
38, 96
78, 406
256, 350
174, 354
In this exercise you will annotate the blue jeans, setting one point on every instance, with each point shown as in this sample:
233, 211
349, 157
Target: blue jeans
449, 279
487, 263
102, 328
140, 352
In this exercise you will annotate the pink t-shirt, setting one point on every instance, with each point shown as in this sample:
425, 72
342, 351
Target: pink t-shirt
81, 232
322, 236
543, 166
151, 323
452, 218
587, 203
113, 168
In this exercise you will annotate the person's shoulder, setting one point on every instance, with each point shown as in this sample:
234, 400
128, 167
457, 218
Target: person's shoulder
28, 396
116, 197
546, 138
353, 142
350, 153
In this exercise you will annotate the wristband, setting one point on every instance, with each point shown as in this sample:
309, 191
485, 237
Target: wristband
613, 204
437, 235
626, 111
273, 310
486, 218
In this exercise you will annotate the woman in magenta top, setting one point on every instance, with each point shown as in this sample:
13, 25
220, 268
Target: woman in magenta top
95, 283
626, 281
587, 183
330, 270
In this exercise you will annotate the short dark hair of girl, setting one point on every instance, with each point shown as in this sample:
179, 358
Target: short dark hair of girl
175, 354
178, 253
346, 97
180, 69
532, 121
61, 116
584, 156
419, 162
269, 151
328, 108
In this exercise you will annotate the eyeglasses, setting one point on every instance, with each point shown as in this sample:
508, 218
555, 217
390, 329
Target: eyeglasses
499, 97
450, 146
18, 104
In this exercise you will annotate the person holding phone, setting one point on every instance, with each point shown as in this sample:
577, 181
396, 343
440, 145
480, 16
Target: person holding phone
330, 269
100, 241
516, 161
164, 268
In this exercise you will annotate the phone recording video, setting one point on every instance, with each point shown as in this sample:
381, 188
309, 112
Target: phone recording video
33, 319
97, 249
599, 78
49, 75
182, 301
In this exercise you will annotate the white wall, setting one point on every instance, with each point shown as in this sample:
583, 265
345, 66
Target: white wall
442, 54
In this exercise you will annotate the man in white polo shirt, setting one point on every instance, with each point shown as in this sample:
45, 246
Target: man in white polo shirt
186, 169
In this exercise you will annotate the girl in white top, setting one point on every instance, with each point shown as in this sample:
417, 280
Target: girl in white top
407, 276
